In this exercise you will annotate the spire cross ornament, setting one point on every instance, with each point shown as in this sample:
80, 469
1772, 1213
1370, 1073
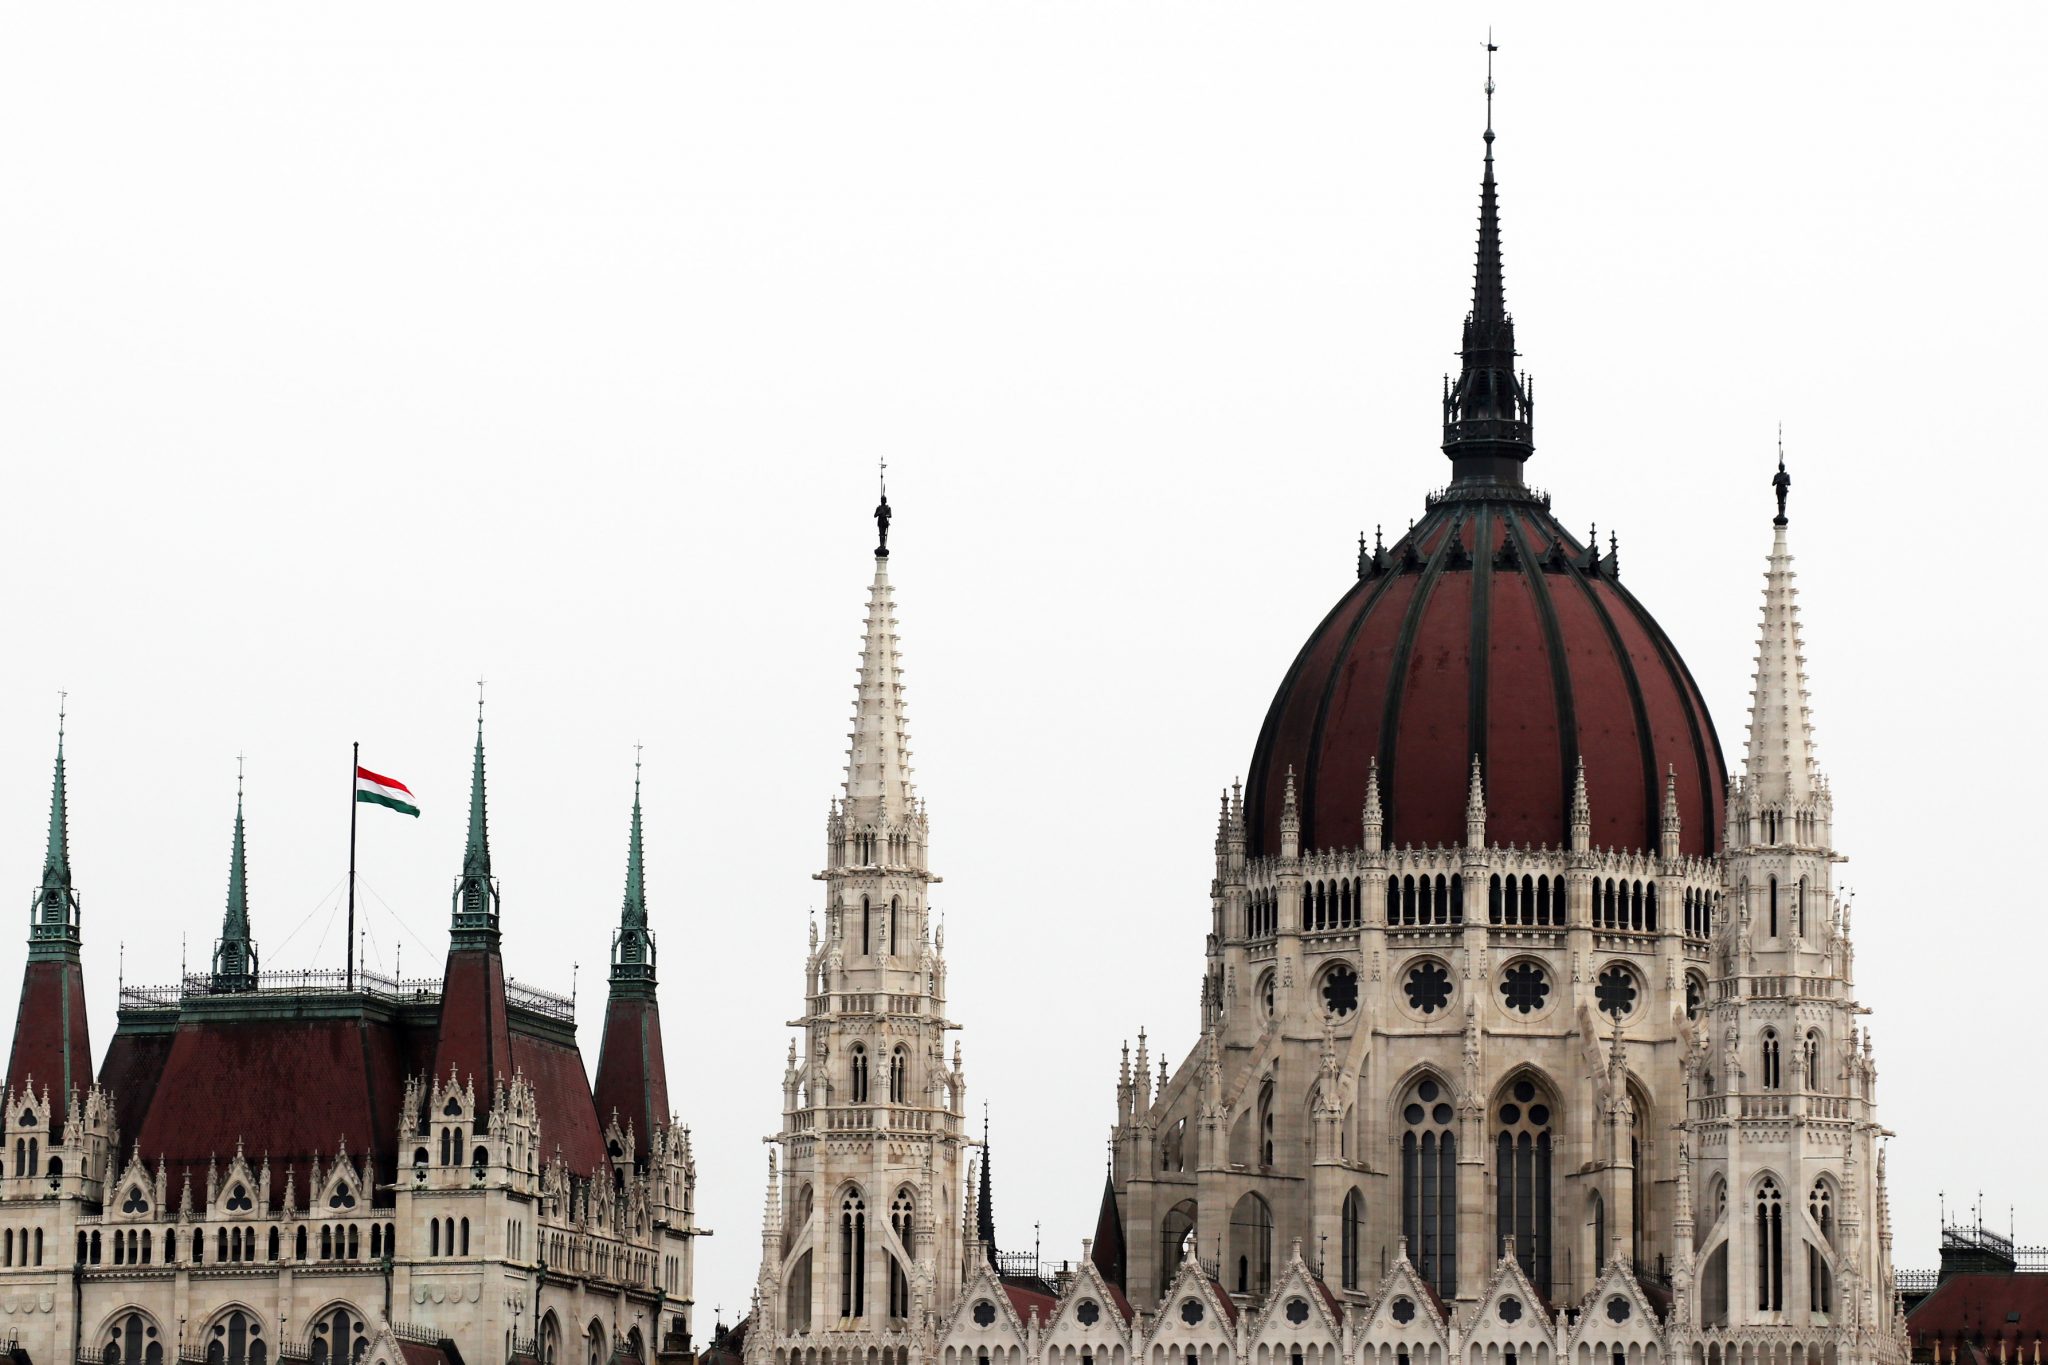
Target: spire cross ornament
479, 703
62, 699
882, 513
1491, 48
1781, 481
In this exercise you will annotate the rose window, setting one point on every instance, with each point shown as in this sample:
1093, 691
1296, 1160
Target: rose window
1524, 987
1616, 991
1428, 987
1340, 991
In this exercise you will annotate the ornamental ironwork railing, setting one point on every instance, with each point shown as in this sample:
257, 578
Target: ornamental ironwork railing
421, 990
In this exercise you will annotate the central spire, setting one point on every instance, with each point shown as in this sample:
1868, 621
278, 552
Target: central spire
1488, 412
633, 945
1781, 771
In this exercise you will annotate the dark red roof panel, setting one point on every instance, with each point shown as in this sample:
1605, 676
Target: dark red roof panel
632, 1078
561, 1091
51, 1045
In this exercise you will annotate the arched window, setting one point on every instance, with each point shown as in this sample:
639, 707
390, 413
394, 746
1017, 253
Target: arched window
465, 1239
853, 1256
132, 1340
895, 926
550, 1339
337, 1337
1522, 1179
1251, 1245
1770, 1248
796, 1297
860, 1074
1393, 900
866, 926
1774, 907
433, 1236
1494, 906
1352, 1233
1266, 1124
1820, 1275
299, 1246
236, 1339
594, 1343
1800, 911
1770, 1059
1812, 1059
274, 1244
1176, 1237
902, 1223
899, 1063
1429, 1185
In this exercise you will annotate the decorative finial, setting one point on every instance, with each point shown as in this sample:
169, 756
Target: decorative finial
238, 781
882, 513
1491, 48
1782, 482
479, 705
62, 699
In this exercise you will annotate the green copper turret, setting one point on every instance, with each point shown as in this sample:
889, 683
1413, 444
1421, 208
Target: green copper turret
234, 957
633, 944
53, 916
476, 894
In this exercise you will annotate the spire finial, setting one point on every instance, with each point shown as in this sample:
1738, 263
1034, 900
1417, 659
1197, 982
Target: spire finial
882, 513
479, 706
1781, 482
1491, 48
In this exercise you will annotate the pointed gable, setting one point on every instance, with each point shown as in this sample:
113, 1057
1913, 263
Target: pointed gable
1406, 1310
1510, 1311
1616, 1316
1300, 1308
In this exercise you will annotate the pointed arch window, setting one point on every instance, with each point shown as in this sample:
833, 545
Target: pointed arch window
899, 1065
1770, 1059
337, 1338
236, 1339
866, 922
1522, 1179
132, 1340
860, 1074
1770, 1247
1429, 1184
902, 1222
1820, 1274
853, 1255
1352, 1234
1251, 1245
1266, 1124
1812, 1059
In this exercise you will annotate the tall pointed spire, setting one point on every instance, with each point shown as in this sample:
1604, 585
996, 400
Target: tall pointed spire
53, 919
984, 1206
476, 893
1489, 411
1780, 771
234, 957
633, 945
879, 791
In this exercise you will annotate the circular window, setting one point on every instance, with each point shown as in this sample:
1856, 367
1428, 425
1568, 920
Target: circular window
1617, 1309
1616, 991
1511, 1309
984, 1314
1297, 1311
1403, 1310
1191, 1311
1090, 1312
1524, 987
1340, 990
1428, 986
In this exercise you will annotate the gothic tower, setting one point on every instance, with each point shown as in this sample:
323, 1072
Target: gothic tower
1786, 1228
51, 1046
861, 1244
475, 1040
632, 1078
234, 955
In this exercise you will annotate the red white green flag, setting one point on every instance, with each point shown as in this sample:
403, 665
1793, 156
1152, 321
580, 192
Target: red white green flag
379, 790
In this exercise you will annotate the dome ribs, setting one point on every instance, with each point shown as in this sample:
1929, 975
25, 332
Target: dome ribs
1398, 687
1521, 795
1479, 652
1533, 537
1646, 738
1705, 739
1264, 823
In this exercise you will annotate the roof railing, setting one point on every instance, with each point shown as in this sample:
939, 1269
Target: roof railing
327, 981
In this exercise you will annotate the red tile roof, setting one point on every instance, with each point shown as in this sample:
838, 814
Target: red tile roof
287, 1088
632, 1078
561, 1091
474, 1040
1024, 1300
51, 1046
1982, 1309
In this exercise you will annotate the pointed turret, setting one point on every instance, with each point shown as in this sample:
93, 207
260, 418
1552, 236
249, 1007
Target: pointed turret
475, 1042
1475, 808
984, 1203
632, 1076
51, 1044
879, 792
1107, 1249
1780, 772
1488, 412
476, 893
234, 956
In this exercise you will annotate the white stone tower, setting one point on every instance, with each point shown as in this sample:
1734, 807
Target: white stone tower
1784, 1230
861, 1242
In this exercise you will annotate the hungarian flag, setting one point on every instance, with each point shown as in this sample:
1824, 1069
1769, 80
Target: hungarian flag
379, 790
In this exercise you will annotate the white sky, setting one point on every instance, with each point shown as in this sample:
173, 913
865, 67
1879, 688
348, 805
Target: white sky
348, 354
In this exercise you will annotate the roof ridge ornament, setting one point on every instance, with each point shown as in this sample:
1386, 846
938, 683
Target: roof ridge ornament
882, 513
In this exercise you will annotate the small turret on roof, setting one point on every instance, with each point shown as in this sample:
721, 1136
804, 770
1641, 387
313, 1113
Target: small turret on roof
50, 1037
234, 956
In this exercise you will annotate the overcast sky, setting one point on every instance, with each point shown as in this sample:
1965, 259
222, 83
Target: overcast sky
351, 353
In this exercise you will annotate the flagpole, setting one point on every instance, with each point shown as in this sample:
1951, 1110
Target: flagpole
355, 761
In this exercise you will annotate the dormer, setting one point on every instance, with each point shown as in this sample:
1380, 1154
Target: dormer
343, 1191
30, 1147
138, 1196
241, 1192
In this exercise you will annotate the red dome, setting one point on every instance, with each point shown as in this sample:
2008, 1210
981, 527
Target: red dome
1488, 630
